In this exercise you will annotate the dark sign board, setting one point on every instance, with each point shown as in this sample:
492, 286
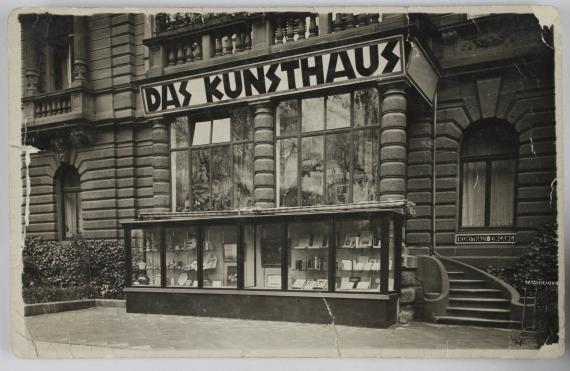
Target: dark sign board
485, 238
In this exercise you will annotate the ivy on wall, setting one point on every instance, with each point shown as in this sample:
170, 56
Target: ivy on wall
78, 269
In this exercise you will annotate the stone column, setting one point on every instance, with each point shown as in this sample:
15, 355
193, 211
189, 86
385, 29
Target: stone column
160, 166
264, 154
79, 50
393, 144
29, 54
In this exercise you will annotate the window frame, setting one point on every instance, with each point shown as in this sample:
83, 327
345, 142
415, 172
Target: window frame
351, 129
488, 160
189, 148
62, 174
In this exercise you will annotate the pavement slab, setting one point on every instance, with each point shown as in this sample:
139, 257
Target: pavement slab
112, 331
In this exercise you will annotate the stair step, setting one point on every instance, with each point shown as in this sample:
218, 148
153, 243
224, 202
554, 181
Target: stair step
473, 302
487, 313
479, 292
477, 321
466, 283
455, 273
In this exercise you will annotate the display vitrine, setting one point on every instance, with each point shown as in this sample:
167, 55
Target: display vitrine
344, 250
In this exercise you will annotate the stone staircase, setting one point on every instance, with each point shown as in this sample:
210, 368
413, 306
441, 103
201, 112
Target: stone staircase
472, 301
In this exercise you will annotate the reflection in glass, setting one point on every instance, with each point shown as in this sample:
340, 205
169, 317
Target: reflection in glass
180, 182
221, 130
287, 118
313, 114
179, 132
201, 179
474, 182
145, 257
220, 256
338, 167
243, 173
309, 247
263, 252
221, 191
357, 256
287, 172
201, 133
366, 107
365, 164
312, 170
181, 256
338, 111
242, 128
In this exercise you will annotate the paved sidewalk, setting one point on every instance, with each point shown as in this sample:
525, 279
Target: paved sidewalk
112, 331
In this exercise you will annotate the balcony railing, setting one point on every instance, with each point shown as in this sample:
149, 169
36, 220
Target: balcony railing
51, 106
181, 39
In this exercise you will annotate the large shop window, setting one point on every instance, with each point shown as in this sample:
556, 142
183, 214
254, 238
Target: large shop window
488, 171
69, 201
328, 149
359, 254
212, 162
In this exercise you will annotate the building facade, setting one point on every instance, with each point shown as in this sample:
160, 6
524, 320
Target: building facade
438, 127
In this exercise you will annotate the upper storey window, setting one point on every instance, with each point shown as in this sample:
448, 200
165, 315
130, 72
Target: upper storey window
55, 55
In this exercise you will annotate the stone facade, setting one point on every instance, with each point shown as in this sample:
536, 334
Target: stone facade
124, 166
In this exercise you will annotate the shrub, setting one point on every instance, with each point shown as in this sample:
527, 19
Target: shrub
79, 269
539, 262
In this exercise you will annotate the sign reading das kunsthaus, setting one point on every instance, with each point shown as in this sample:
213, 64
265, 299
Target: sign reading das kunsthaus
374, 60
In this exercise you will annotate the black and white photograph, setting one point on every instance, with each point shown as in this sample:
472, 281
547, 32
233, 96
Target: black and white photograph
299, 182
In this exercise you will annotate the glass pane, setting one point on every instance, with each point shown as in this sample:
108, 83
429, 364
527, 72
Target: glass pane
309, 251
287, 117
262, 266
180, 181
357, 256
366, 159
243, 175
338, 111
70, 178
313, 114
179, 132
474, 180
181, 256
201, 133
490, 139
366, 107
221, 178
241, 124
221, 130
145, 257
502, 193
70, 201
220, 256
391, 256
312, 170
201, 179
287, 172
338, 167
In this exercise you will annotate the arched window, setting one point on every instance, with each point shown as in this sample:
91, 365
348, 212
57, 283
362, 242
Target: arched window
488, 171
68, 202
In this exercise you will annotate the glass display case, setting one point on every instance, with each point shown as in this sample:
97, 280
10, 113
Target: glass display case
349, 251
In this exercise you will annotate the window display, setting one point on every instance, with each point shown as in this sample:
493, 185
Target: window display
181, 257
362, 253
145, 257
309, 248
263, 256
357, 256
220, 256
